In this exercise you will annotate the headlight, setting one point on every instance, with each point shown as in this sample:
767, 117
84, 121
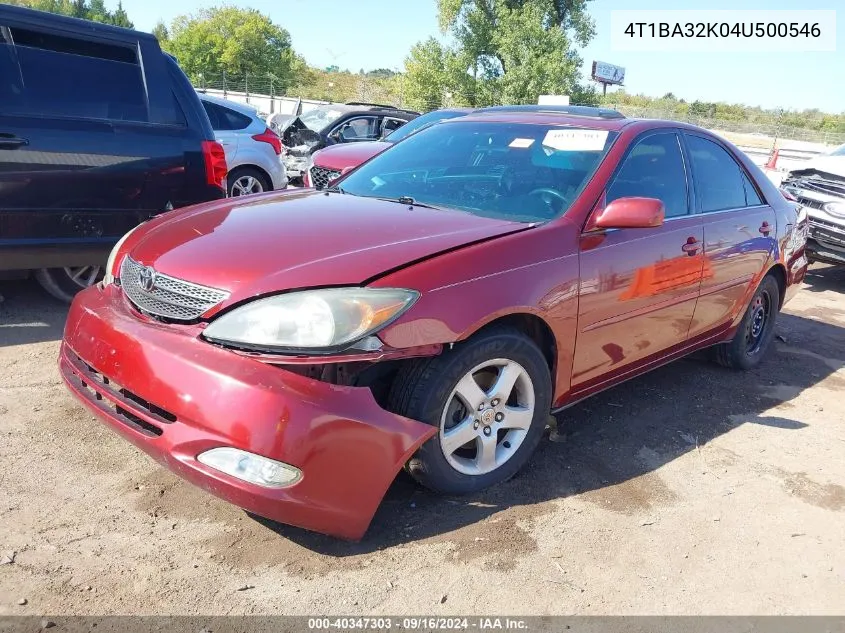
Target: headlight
110, 262
310, 320
835, 208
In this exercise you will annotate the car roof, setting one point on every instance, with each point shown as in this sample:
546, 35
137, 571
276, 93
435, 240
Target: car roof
243, 108
543, 118
35, 17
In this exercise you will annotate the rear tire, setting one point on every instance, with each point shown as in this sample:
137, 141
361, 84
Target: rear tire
493, 391
244, 181
65, 283
756, 330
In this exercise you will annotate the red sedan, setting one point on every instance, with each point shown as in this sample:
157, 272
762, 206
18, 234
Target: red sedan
291, 352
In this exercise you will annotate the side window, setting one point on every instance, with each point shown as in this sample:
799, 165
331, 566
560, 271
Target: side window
11, 86
654, 169
391, 125
360, 129
231, 120
752, 198
212, 111
69, 77
718, 178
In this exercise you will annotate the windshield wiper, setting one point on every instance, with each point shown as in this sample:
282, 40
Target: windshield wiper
410, 201
333, 190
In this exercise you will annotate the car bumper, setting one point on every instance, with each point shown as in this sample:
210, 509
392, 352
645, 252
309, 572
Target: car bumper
175, 396
826, 242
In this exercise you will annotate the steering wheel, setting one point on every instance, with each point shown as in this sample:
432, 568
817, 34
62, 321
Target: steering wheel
551, 192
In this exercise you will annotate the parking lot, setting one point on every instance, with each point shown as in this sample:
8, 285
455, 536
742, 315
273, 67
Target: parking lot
691, 490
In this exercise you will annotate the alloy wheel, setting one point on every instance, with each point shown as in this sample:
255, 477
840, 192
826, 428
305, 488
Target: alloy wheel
487, 417
246, 185
83, 276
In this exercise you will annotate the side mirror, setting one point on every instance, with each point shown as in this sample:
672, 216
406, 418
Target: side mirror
632, 213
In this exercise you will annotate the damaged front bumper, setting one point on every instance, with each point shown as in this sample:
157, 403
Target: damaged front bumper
176, 397
822, 195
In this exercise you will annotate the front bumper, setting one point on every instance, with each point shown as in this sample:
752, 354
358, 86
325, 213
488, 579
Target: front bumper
176, 396
826, 242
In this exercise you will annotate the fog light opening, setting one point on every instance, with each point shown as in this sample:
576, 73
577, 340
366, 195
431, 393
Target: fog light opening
258, 470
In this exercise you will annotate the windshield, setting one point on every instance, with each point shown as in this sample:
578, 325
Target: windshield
421, 122
320, 118
839, 151
513, 171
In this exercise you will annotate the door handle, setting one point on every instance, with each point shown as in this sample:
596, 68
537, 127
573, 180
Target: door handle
765, 229
9, 141
691, 247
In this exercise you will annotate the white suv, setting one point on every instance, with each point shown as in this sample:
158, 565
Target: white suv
253, 151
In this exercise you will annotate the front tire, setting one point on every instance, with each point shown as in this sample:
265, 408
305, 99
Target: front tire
489, 397
755, 331
65, 283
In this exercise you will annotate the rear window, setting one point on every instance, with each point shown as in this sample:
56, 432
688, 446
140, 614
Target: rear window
513, 171
72, 77
223, 119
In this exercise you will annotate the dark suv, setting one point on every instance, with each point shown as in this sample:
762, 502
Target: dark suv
99, 131
336, 123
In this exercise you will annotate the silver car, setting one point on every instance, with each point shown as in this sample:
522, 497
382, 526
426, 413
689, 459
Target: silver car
253, 151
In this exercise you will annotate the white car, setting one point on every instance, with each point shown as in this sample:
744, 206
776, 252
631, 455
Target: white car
253, 151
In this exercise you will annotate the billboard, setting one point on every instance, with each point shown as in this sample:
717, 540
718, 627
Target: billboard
608, 73
553, 100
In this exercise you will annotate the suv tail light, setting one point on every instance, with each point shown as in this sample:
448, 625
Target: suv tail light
269, 136
215, 164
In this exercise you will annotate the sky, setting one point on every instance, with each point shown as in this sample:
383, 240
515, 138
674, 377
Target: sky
373, 34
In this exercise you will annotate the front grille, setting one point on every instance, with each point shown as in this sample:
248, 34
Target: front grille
169, 297
807, 202
827, 232
137, 413
321, 176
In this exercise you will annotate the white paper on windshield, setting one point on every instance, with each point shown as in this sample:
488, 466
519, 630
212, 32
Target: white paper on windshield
522, 143
576, 140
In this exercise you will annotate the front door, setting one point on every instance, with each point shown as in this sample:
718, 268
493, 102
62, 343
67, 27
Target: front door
639, 286
740, 233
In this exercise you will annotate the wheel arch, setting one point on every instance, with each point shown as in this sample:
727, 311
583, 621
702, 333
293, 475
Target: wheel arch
778, 271
263, 172
529, 323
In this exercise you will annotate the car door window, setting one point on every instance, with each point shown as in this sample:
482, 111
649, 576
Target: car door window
72, 77
391, 125
654, 168
359, 129
752, 196
718, 178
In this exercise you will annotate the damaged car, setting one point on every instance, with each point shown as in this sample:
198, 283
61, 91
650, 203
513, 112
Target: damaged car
819, 187
291, 352
335, 123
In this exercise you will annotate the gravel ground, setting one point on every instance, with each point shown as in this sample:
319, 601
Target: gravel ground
692, 490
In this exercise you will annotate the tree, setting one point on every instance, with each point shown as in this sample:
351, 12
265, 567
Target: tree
510, 51
161, 33
94, 10
233, 42
426, 76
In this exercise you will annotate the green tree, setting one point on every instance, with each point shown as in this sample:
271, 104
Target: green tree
426, 79
161, 33
511, 51
233, 42
94, 10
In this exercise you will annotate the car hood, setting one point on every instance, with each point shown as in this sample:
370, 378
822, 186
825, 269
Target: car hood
279, 241
348, 155
834, 165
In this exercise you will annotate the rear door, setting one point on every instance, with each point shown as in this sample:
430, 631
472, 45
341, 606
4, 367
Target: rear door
639, 286
82, 139
740, 232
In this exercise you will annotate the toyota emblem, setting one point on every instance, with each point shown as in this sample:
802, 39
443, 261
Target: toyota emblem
147, 279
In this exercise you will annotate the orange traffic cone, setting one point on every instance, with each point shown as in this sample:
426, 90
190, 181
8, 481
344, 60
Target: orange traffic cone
773, 159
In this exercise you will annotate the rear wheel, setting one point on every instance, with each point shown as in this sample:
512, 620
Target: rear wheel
756, 330
489, 398
65, 283
244, 181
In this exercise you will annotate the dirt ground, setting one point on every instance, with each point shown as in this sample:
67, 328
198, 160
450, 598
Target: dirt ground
692, 490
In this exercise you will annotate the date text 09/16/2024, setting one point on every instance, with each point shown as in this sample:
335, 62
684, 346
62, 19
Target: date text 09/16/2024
417, 624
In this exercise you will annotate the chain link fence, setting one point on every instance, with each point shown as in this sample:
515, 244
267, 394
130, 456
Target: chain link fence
272, 95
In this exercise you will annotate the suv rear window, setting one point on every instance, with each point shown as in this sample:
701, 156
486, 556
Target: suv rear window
71, 77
